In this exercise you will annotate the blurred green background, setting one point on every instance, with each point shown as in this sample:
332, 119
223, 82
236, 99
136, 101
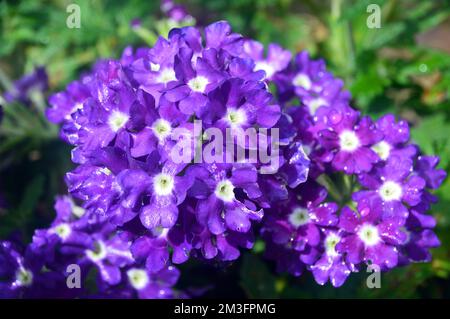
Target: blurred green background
402, 67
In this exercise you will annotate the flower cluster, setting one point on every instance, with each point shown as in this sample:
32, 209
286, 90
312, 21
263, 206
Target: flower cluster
367, 194
142, 210
78, 245
124, 118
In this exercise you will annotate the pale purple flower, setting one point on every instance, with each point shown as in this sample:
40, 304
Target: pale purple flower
277, 58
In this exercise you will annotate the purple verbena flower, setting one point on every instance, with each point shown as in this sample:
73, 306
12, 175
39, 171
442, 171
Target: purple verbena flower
350, 139
277, 58
392, 188
369, 238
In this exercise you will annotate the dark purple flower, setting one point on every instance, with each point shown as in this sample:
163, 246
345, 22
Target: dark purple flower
194, 81
426, 168
153, 285
94, 185
420, 237
416, 246
370, 239
391, 188
152, 250
166, 192
332, 265
350, 138
63, 104
296, 224
22, 276
396, 135
15, 272
109, 255
239, 104
217, 186
312, 84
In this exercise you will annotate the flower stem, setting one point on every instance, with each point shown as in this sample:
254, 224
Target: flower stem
331, 187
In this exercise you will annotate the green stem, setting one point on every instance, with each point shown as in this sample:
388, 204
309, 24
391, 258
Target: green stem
331, 187
148, 36
351, 49
336, 9
341, 42
5, 81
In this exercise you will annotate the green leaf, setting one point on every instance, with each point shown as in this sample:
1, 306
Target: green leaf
432, 135
256, 279
385, 35
31, 196
369, 84
20, 217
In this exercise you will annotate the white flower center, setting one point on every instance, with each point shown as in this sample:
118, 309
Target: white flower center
236, 117
313, 105
117, 120
62, 230
330, 244
195, 56
98, 253
163, 184
162, 129
307, 149
198, 84
266, 67
24, 277
302, 80
390, 191
225, 191
299, 217
154, 67
138, 278
105, 171
78, 211
383, 149
166, 76
369, 235
159, 231
348, 141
